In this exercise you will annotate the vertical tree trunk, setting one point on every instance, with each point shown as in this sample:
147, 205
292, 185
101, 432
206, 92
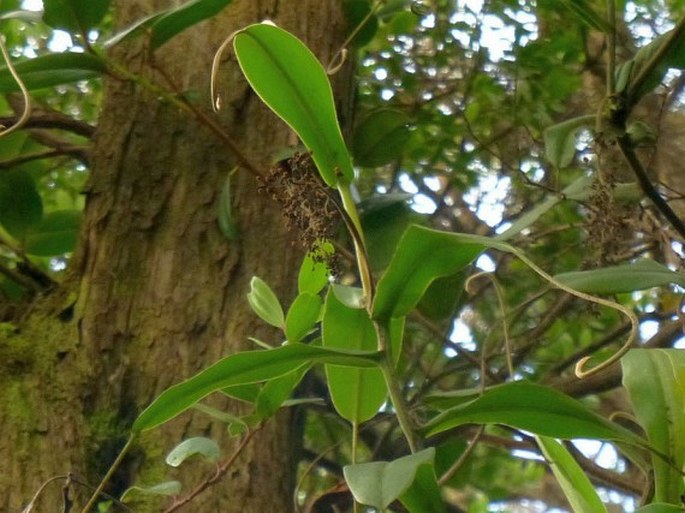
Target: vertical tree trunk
159, 292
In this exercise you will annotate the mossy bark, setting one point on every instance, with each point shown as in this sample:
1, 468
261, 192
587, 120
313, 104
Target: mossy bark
156, 292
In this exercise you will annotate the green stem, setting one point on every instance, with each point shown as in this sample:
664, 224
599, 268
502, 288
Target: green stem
359, 246
387, 367
98, 491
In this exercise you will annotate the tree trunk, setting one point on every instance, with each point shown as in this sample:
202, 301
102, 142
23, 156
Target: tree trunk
156, 291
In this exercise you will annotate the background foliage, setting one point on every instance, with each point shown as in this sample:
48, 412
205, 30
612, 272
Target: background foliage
490, 119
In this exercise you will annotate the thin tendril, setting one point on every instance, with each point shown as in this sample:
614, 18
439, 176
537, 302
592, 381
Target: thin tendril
22, 87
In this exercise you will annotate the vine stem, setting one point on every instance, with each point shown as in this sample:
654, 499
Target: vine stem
98, 491
581, 372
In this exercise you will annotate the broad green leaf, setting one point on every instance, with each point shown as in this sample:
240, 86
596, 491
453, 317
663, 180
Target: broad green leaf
357, 393
379, 483
55, 234
384, 219
276, 391
51, 70
313, 276
205, 447
661, 508
141, 26
243, 368
442, 296
21, 207
535, 408
302, 316
175, 21
247, 393
655, 381
75, 16
422, 256
643, 274
166, 488
291, 81
424, 493
380, 137
265, 303
575, 484
560, 140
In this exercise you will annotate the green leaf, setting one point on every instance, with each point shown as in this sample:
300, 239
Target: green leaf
673, 58
176, 20
243, 368
380, 138
55, 234
379, 483
23, 15
577, 487
357, 393
51, 70
137, 28
227, 223
560, 140
384, 219
352, 297
655, 381
422, 256
205, 447
276, 391
535, 408
302, 316
579, 186
265, 303
166, 488
21, 207
75, 16
291, 81
661, 508
424, 493
643, 274
313, 276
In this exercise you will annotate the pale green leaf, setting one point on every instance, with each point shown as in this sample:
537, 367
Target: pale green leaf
379, 483
560, 140
643, 274
201, 445
265, 303
655, 381
166, 489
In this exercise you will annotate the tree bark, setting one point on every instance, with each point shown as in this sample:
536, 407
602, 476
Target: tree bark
156, 292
